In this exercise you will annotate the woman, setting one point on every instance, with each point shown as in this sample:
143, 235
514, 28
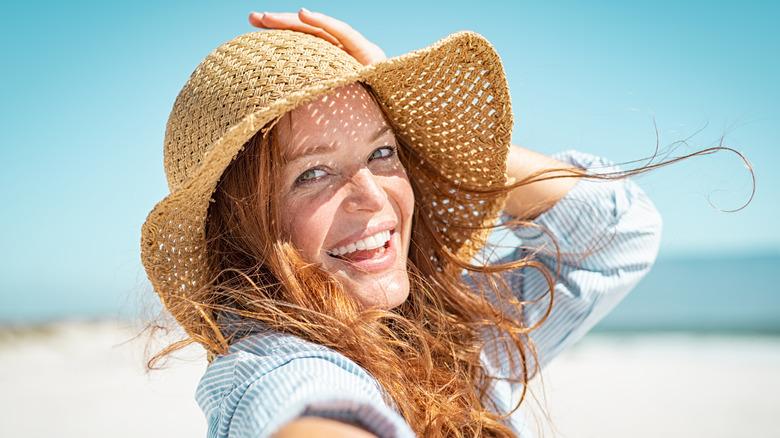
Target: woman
324, 238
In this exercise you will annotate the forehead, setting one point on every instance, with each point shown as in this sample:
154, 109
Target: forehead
349, 114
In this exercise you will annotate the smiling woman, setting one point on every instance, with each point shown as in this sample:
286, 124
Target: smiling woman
346, 202
322, 215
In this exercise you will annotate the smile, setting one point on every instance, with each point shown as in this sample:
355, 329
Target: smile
378, 240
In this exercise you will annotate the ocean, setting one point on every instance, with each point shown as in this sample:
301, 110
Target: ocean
720, 295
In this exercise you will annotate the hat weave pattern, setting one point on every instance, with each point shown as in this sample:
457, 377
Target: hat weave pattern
237, 80
449, 100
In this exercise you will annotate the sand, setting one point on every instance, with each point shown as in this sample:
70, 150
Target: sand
666, 386
86, 379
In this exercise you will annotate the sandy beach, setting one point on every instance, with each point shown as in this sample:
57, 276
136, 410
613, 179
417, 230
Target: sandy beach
87, 379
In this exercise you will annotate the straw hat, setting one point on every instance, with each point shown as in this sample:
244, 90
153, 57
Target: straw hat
449, 100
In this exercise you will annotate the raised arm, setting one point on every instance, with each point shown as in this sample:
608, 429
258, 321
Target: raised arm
528, 201
600, 238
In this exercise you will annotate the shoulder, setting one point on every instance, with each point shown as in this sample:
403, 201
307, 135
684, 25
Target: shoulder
261, 354
269, 379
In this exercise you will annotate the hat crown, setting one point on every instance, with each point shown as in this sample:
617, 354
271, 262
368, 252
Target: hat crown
241, 77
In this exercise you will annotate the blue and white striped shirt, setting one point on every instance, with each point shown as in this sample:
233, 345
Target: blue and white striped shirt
607, 233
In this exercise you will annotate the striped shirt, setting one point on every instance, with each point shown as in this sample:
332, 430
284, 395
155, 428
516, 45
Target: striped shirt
607, 233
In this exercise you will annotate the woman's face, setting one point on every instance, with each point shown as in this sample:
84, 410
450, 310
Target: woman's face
345, 199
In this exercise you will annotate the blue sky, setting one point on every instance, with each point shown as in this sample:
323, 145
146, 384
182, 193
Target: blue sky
87, 88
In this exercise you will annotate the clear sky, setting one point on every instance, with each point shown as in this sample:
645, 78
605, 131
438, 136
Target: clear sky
86, 88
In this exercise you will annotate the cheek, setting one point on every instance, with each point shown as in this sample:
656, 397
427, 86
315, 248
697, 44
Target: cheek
405, 197
305, 224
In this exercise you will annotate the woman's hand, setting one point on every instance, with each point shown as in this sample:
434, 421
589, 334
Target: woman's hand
320, 25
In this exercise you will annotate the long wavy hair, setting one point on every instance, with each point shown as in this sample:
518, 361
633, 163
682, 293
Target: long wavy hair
430, 346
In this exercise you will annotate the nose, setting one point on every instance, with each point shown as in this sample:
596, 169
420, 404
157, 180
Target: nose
365, 192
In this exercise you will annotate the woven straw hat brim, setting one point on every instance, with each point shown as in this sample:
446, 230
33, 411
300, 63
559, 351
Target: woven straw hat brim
450, 100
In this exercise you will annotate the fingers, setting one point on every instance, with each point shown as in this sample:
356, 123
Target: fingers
351, 40
323, 26
256, 19
339, 29
289, 21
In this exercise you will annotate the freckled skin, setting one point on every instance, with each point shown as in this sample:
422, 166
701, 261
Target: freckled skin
342, 182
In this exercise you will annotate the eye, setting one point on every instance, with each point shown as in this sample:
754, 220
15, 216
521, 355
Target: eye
310, 175
383, 152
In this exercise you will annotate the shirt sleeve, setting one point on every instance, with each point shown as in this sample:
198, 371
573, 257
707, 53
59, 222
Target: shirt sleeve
249, 395
607, 234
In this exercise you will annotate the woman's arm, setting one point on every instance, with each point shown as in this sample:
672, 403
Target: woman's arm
528, 201
279, 385
600, 240
317, 427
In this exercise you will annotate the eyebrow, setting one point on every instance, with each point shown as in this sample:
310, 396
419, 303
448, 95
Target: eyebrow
379, 133
323, 148
309, 151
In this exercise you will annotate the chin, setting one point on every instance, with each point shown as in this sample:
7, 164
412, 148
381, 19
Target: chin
382, 295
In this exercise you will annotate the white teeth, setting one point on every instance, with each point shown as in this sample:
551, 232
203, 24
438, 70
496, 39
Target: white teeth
378, 240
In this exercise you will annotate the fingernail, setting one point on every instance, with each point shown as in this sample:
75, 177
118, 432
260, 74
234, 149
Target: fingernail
305, 11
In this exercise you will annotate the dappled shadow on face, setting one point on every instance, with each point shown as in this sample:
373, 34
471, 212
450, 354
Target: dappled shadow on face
347, 117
